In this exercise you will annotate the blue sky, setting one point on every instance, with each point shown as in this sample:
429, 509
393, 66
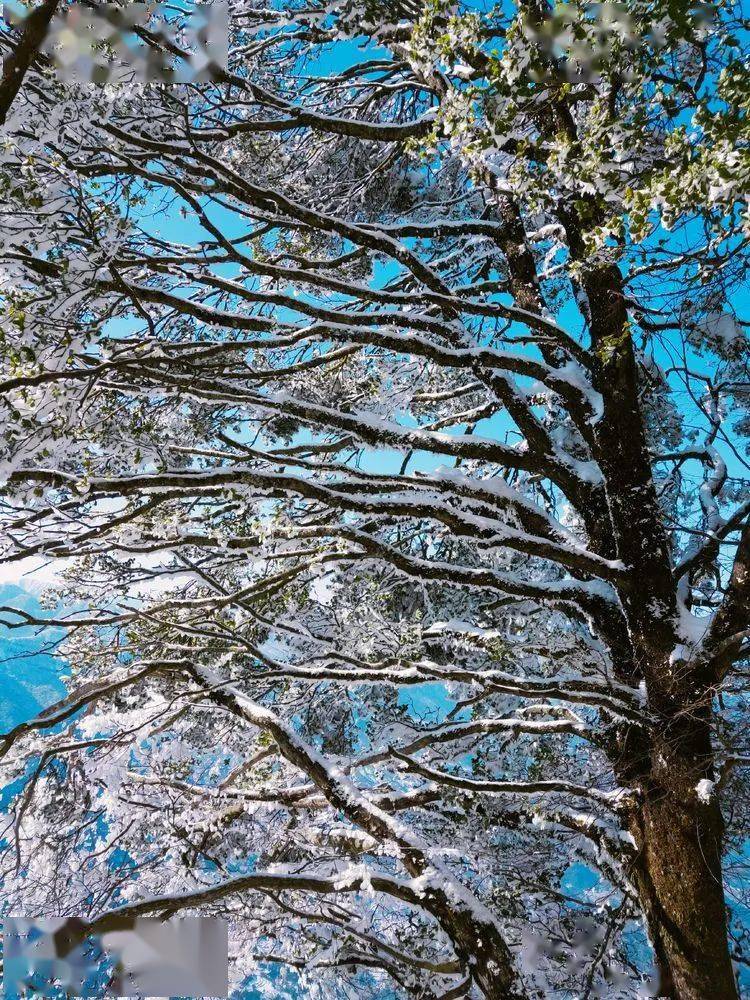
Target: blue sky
32, 679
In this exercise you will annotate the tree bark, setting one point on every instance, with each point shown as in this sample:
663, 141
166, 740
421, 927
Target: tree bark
678, 828
16, 65
679, 833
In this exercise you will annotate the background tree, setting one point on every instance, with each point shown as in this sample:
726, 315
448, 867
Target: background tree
384, 398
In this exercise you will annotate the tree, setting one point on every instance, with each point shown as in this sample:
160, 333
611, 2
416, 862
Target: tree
404, 355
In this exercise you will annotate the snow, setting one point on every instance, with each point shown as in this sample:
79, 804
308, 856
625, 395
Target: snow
720, 331
704, 790
575, 375
493, 550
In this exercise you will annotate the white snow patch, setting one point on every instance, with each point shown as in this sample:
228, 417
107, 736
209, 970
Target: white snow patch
704, 790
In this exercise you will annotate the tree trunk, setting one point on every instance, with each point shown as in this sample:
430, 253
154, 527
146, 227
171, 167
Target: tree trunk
679, 835
17, 63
